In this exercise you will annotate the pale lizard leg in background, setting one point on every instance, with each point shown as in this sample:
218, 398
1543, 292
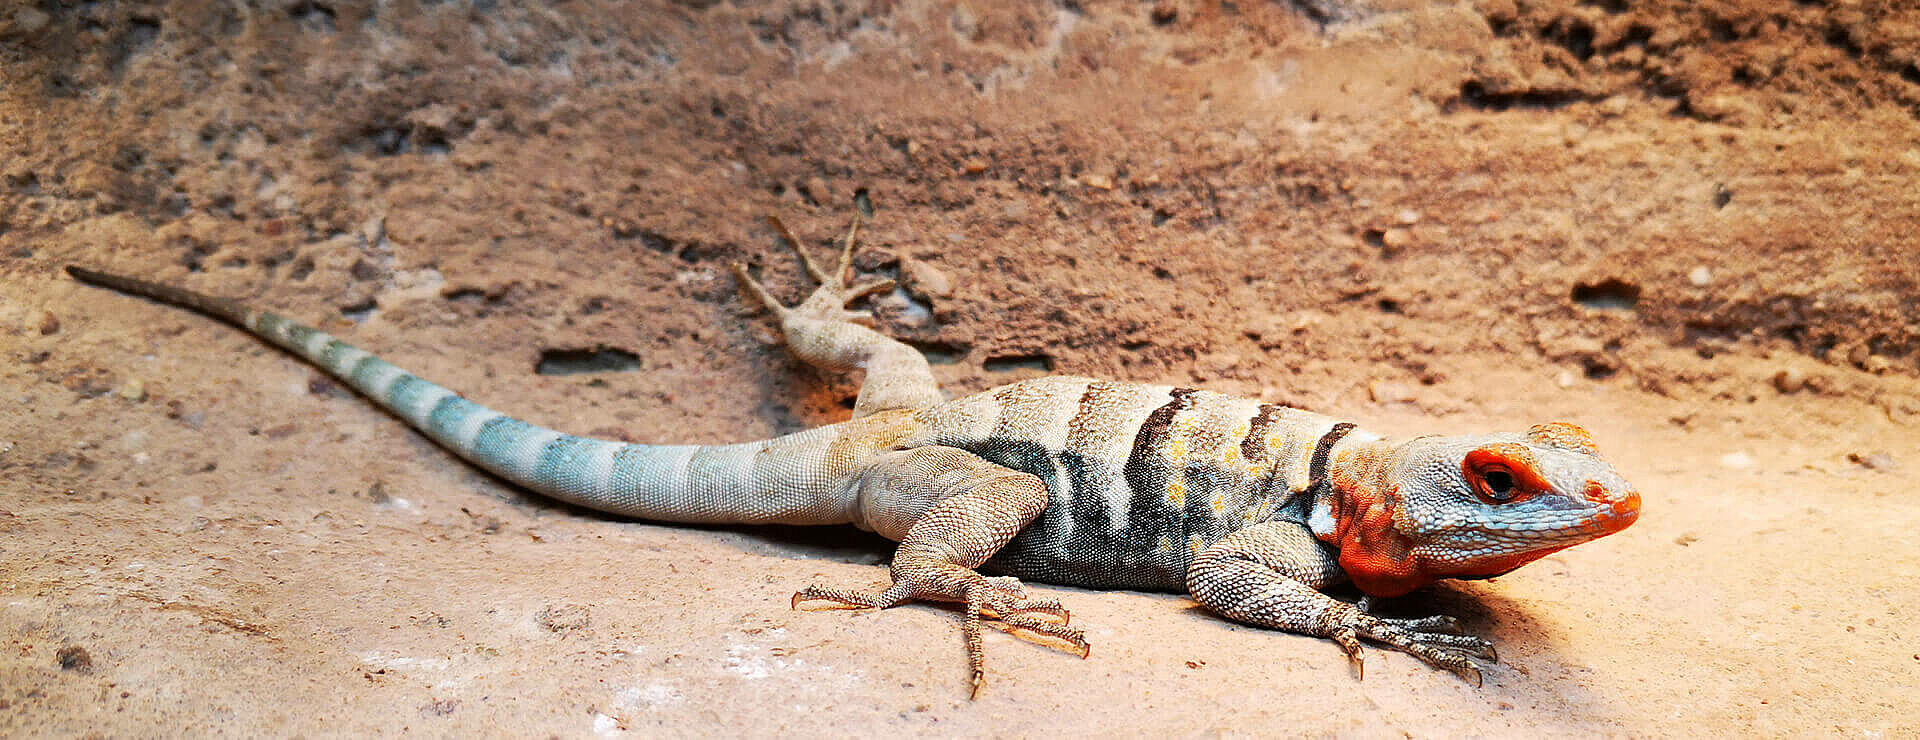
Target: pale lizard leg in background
824, 333
959, 508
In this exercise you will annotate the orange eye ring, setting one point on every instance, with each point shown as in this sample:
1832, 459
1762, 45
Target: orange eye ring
1502, 474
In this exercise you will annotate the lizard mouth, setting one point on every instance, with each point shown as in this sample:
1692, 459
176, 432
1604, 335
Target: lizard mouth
1617, 515
1568, 526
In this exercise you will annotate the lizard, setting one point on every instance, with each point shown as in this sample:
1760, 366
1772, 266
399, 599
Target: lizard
1253, 509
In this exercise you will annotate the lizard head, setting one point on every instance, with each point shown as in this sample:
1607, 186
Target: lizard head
1473, 506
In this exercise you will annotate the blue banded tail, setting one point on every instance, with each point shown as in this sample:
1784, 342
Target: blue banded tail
774, 481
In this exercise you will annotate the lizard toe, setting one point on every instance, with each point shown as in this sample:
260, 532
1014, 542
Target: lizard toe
1443, 650
1024, 626
851, 599
1349, 640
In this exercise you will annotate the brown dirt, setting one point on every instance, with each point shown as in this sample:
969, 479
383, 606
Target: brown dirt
1685, 225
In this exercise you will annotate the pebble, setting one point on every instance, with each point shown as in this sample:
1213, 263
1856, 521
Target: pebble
134, 390
1098, 182
1877, 364
44, 322
74, 658
925, 279
1396, 238
1565, 379
1736, 461
1407, 217
1383, 391
1789, 380
30, 20
1872, 461
974, 166
816, 190
1700, 277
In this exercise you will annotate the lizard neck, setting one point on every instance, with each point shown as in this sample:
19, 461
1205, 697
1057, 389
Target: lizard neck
1357, 509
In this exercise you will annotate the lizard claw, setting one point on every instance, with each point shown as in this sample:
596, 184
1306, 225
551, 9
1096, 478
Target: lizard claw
1436, 641
1350, 642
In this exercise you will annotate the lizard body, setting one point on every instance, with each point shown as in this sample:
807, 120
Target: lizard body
1251, 507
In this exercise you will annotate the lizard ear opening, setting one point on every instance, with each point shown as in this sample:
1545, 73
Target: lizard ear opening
1502, 473
1562, 435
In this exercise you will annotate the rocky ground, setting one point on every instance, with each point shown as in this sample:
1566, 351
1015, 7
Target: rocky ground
1685, 225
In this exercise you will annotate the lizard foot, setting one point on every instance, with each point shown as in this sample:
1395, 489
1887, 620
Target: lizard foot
829, 301
1436, 641
1003, 600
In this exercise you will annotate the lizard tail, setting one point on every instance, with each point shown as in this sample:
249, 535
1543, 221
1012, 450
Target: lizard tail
776, 481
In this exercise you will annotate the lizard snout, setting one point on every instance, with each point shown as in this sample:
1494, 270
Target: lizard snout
1622, 502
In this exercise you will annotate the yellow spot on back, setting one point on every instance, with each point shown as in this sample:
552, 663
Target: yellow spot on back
1177, 491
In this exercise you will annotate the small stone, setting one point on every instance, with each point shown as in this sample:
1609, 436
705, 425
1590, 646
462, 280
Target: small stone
1877, 364
1700, 276
1396, 238
134, 390
974, 166
1383, 391
1872, 461
74, 658
30, 20
816, 190
1407, 217
925, 280
1565, 379
1736, 461
1732, 109
1789, 380
1858, 355
1098, 182
44, 322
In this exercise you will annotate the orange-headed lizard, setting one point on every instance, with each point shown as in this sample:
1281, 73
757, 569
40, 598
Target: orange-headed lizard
1252, 508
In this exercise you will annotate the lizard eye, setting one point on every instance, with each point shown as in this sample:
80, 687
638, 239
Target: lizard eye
1502, 473
1498, 484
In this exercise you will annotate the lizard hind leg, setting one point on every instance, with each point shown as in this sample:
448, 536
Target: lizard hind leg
823, 332
967, 509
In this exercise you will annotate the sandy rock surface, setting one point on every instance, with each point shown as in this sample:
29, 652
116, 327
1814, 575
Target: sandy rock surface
1687, 226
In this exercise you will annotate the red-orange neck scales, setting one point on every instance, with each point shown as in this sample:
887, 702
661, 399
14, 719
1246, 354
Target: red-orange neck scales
1364, 504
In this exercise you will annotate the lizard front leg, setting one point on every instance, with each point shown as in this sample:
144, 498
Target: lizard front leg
1271, 574
824, 333
957, 510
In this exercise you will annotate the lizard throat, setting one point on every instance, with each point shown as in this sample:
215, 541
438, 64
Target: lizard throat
1355, 511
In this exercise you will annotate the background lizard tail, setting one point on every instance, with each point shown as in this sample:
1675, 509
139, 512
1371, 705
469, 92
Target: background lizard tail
784, 480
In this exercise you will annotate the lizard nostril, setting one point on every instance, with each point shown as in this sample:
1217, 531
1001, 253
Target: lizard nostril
1628, 507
